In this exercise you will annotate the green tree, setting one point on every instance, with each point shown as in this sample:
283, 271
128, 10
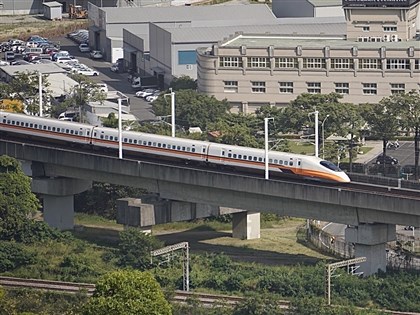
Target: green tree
184, 82
135, 247
192, 109
127, 293
25, 87
383, 122
17, 202
407, 106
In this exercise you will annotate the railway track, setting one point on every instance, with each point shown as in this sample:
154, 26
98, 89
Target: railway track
206, 299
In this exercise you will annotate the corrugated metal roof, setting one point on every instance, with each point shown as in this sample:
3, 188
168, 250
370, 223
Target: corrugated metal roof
187, 13
325, 3
53, 4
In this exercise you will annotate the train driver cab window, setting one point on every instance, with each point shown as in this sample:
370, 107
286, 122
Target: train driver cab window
204, 149
299, 163
223, 153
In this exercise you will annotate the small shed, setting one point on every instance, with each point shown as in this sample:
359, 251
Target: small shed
53, 10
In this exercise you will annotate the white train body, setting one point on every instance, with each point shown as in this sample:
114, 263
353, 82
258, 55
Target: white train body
164, 147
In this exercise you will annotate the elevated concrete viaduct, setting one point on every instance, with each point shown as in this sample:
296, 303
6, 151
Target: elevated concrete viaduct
371, 217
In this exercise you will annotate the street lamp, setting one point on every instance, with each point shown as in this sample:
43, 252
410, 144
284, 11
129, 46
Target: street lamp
172, 94
316, 132
120, 148
266, 145
323, 135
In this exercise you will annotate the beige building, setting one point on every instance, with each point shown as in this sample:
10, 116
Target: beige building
252, 70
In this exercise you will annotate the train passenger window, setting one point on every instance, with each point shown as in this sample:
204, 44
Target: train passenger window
188, 149
110, 137
193, 150
124, 139
23, 124
164, 145
13, 122
276, 161
67, 131
250, 158
154, 144
8, 121
106, 137
255, 158
291, 163
116, 138
183, 148
281, 162
270, 160
130, 140
229, 155
234, 156
49, 128
53, 128
178, 147
149, 143
240, 156
102, 136
260, 159
144, 143
94, 134
135, 141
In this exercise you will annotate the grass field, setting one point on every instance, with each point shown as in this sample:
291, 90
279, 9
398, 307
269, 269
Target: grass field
278, 245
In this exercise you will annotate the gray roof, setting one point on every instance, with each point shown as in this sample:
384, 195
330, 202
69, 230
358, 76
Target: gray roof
252, 40
215, 34
187, 13
326, 3
42, 67
53, 4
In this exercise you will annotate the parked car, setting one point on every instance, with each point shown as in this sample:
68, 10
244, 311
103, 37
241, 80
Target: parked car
386, 160
87, 71
103, 87
83, 47
9, 56
145, 92
96, 54
65, 60
114, 67
152, 98
3, 63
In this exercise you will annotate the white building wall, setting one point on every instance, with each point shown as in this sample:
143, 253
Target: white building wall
328, 11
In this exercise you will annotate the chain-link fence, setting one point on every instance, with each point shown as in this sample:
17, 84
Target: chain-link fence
399, 254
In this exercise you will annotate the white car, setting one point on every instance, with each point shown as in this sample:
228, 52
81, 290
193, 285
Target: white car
145, 92
3, 63
96, 54
87, 71
83, 47
66, 60
152, 98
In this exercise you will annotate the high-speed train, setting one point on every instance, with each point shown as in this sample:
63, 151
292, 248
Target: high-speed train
169, 148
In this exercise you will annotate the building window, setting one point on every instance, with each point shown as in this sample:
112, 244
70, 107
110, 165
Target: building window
342, 63
187, 57
314, 87
230, 62
370, 64
417, 64
397, 88
366, 28
370, 88
398, 64
230, 86
258, 62
258, 86
342, 88
390, 28
286, 87
286, 63
314, 63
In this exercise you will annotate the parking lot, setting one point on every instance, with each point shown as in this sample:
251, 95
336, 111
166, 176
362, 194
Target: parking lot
115, 81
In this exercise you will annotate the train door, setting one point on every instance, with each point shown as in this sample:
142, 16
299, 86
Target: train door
298, 166
222, 157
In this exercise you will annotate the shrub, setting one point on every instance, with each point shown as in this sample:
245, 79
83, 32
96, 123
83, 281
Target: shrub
13, 255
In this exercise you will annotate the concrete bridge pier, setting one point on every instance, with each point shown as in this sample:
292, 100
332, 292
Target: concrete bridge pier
370, 241
151, 210
58, 199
